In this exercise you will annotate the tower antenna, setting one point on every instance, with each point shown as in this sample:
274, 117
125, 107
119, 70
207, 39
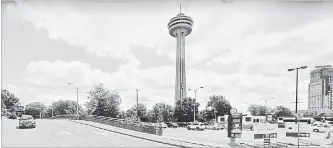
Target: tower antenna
180, 6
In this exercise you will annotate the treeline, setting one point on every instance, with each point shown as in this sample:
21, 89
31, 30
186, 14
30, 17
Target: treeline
105, 102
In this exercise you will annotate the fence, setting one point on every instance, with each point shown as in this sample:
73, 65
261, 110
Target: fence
122, 124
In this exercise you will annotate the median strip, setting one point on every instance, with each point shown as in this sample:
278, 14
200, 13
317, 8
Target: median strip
153, 140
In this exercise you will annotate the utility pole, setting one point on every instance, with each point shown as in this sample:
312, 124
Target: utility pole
137, 104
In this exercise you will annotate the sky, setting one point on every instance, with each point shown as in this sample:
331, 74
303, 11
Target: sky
241, 50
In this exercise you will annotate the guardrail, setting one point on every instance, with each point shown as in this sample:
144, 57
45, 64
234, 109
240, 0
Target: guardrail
117, 123
69, 116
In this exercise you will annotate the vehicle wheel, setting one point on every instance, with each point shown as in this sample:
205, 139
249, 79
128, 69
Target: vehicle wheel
197, 128
214, 128
188, 128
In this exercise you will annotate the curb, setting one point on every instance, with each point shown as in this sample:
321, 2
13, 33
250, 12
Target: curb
177, 145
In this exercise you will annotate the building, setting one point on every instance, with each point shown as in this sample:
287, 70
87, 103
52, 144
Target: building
320, 89
179, 27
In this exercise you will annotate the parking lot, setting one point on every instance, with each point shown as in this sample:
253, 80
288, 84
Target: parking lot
220, 136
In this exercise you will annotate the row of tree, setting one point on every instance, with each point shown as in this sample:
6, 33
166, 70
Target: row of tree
105, 102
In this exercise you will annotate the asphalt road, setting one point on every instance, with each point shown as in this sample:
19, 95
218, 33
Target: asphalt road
63, 133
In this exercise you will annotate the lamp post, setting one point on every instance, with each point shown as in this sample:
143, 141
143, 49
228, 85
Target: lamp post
195, 97
292, 69
137, 104
77, 98
266, 99
268, 109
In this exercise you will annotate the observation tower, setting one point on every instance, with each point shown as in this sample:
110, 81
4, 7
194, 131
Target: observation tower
179, 27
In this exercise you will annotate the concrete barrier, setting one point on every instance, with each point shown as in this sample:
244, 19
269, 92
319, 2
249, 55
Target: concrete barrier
114, 122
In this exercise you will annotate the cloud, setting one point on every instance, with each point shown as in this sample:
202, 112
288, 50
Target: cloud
240, 50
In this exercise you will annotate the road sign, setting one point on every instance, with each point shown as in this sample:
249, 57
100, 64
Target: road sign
294, 134
265, 136
234, 125
233, 111
267, 141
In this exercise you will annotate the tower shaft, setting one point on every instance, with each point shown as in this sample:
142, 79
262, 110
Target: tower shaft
180, 89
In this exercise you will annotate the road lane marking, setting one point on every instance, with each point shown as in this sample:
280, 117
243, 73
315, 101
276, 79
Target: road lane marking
65, 133
90, 133
52, 138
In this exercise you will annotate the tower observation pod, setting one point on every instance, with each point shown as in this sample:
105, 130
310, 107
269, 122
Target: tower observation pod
179, 27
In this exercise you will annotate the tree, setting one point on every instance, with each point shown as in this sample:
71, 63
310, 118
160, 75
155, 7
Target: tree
34, 109
162, 112
202, 116
281, 111
132, 113
103, 102
150, 116
310, 114
62, 108
9, 100
122, 114
258, 110
220, 104
185, 109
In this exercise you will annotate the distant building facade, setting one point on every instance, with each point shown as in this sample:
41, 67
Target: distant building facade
320, 89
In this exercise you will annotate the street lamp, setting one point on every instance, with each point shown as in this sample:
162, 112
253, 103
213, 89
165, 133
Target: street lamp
195, 97
266, 99
77, 98
292, 69
137, 104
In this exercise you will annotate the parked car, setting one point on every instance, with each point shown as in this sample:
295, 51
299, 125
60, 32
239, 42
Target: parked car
171, 125
163, 125
316, 123
27, 121
223, 124
12, 116
248, 126
145, 124
322, 128
196, 126
215, 126
330, 123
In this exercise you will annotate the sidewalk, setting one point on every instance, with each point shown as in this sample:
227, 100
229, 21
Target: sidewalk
178, 142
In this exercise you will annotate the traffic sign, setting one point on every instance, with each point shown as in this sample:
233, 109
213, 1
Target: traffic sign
267, 141
233, 111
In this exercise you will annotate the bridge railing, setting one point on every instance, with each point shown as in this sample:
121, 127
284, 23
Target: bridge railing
120, 123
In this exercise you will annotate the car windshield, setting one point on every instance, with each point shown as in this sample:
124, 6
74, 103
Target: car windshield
26, 118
